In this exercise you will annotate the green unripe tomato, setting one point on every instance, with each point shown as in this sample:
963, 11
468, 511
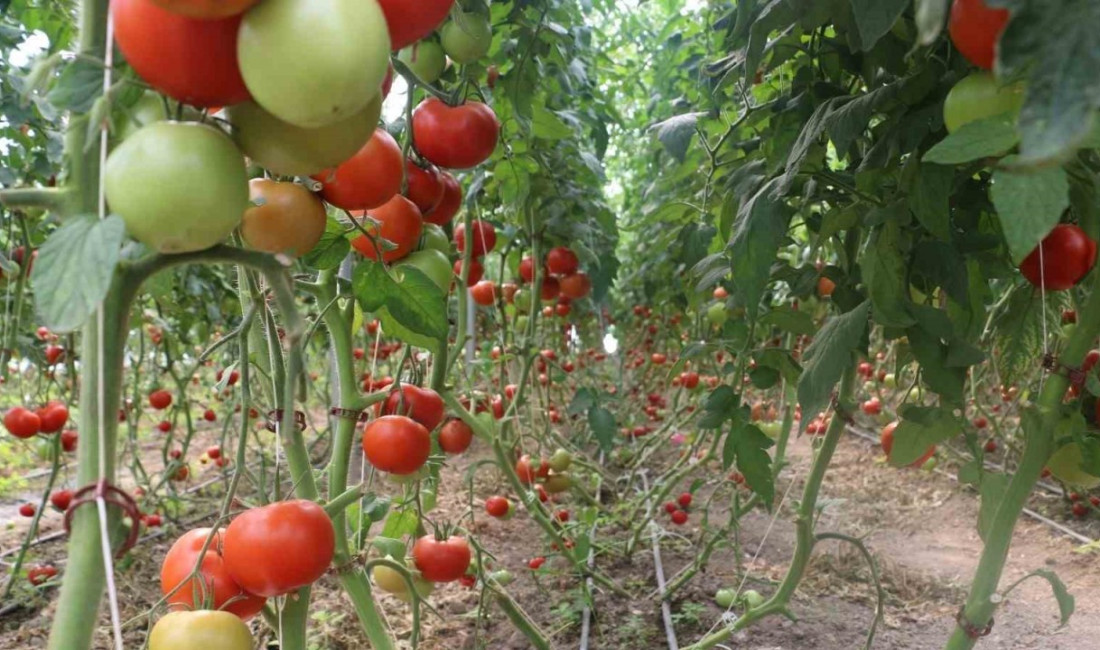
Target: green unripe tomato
426, 60
771, 429
503, 577
561, 460
179, 187
717, 314
467, 37
752, 599
522, 301
199, 630
977, 97
433, 264
725, 598
890, 381
432, 237
521, 323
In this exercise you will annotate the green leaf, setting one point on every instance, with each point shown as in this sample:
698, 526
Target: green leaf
790, 320
828, 357
875, 17
989, 137
603, 425
78, 86
411, 307
401, 523
548, 126
583, 399
1066, 601
931, 16
722, 404
921, 428
761, 228
1054, 43
677, 132
884, 273
390, 547
331, 250
74, 270
946, 380
929, 199
992, 490
747, 446
1029, 206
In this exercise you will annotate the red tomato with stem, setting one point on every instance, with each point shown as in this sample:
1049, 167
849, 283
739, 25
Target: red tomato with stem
213, 579
1067, 256
397, 444
22, 423
975, 28
279, 548
188, 59
441, 560
367, 180
562, 261
455, 137
401, 224
498, 507
455, 436
411, 20
484, 293
449, 204
424, 186
483, 234
423, 405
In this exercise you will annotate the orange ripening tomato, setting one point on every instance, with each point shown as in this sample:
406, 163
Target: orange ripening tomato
401, 224
213, 579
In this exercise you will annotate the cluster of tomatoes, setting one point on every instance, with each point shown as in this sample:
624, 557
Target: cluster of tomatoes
678, 510
295, 110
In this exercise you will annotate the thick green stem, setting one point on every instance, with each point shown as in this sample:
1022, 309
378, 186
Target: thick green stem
980, 604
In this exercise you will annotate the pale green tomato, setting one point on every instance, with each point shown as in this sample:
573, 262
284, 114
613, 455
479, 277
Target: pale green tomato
433, 264
522, 301
978, 97
521, 323
432, 237
289, 150
314, 62
561, 460
717, 314
771, 429
725, 598
890, 381
200, 630
391, 581
752, 599
467, 37
179, 187
503, 577
426, 60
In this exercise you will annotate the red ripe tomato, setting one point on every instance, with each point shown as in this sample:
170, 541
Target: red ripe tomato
456, 137
53, 353
27, 510
476, 272
209, 415
164, 426
689, 379
401, 225
536, 563
397, 444
550, 288
69, 438
368, 179
441, 560
679, 517
40, 574
484, 293
887, 442
425, 186
192, 60
411, 20
484, 236
213, 579
872, 406
279, 548
455, 437
562, 309
450, 203
61, 499
421, 404
658, 359
671, 507
206, 9
525, 471
720, 293
575, 286
527, 269
562, 261
160, 399
975, 29
498, 507
1067, 256
22, 423
684, 500
53, 417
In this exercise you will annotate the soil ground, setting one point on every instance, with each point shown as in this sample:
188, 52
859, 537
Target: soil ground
919, 526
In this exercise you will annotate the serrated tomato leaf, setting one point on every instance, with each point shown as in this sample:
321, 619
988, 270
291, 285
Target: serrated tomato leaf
828, 357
